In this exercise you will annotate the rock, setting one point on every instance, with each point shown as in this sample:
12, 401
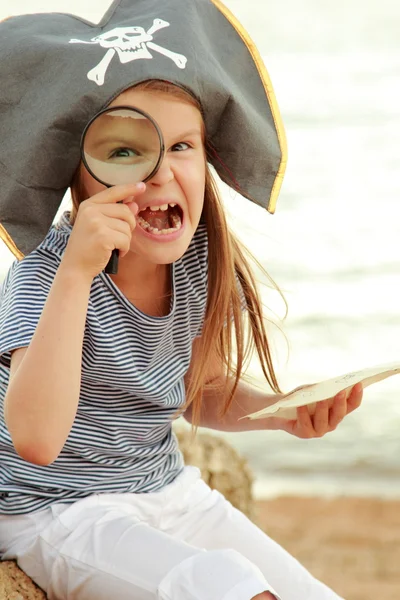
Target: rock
15, 585
221, 468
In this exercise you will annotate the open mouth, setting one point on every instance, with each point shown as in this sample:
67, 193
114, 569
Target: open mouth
161, 220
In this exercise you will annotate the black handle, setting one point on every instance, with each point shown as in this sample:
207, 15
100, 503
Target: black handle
112, 265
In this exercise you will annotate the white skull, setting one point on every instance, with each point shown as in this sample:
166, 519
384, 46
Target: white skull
129, 42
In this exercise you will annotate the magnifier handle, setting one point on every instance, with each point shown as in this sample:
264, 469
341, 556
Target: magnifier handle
112, 265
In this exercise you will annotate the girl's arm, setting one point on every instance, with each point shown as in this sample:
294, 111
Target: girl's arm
248, 399
43, 391
44, 387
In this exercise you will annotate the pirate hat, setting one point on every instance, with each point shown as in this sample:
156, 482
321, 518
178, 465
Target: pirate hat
58, 70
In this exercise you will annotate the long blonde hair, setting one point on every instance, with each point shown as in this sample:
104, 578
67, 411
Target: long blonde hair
229, 333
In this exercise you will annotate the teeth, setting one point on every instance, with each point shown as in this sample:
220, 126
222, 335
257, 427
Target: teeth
164, 207
143, 223
176, 220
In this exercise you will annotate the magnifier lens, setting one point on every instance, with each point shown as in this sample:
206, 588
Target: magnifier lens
122, 146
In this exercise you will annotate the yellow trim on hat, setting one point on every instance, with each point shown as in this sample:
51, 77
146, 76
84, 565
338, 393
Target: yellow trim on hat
262, 70
9, 242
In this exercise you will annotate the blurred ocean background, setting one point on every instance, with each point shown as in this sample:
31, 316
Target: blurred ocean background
333, 244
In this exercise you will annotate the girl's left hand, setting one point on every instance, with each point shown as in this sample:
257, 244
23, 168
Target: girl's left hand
325, 419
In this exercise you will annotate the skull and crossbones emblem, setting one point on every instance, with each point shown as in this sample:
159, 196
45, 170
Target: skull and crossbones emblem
130, 43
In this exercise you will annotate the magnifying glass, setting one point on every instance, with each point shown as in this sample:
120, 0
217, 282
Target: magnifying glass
121, 145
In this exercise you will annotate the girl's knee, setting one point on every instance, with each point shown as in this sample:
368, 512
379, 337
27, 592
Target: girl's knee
213, 574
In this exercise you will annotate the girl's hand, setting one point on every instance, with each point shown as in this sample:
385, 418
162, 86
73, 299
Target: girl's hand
327, 416
102, 225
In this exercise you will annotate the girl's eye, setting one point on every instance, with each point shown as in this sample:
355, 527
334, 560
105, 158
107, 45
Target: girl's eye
123, 153
181, 146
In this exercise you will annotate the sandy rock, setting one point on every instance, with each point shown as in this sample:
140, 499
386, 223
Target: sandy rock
15, 585
221, 467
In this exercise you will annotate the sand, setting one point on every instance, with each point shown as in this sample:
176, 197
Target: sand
351, 544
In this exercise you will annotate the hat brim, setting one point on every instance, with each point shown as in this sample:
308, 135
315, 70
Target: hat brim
269, 91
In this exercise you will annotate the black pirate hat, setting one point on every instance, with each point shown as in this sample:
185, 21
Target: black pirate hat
58, 70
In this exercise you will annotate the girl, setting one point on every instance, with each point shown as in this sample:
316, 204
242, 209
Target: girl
95, 501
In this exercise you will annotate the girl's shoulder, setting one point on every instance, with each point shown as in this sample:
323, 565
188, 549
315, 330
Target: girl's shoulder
57, 237
51, 249
42, 263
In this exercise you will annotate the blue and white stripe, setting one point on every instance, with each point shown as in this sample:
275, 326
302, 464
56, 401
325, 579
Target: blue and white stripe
132, 381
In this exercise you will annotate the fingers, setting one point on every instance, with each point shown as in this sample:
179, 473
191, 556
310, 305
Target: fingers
100, 227
355, 398
327, 416
338, 410
133, 207
304, 423
345, 403
122, 234
115, 215
118, 212
118, 193
321, 418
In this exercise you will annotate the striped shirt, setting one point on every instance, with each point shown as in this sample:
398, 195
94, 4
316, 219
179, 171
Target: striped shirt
132, 381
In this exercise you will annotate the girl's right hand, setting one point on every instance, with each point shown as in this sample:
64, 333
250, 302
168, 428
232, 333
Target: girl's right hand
101, 226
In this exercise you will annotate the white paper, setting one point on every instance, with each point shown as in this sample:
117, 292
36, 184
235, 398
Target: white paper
309, 395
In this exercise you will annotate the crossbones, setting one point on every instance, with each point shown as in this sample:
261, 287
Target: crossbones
131, 43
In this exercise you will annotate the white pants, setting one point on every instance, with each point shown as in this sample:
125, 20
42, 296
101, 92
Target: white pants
185, 542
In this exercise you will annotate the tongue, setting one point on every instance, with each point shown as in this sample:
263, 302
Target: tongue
157, 219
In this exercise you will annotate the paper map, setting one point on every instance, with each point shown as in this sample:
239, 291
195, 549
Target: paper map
309, 395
